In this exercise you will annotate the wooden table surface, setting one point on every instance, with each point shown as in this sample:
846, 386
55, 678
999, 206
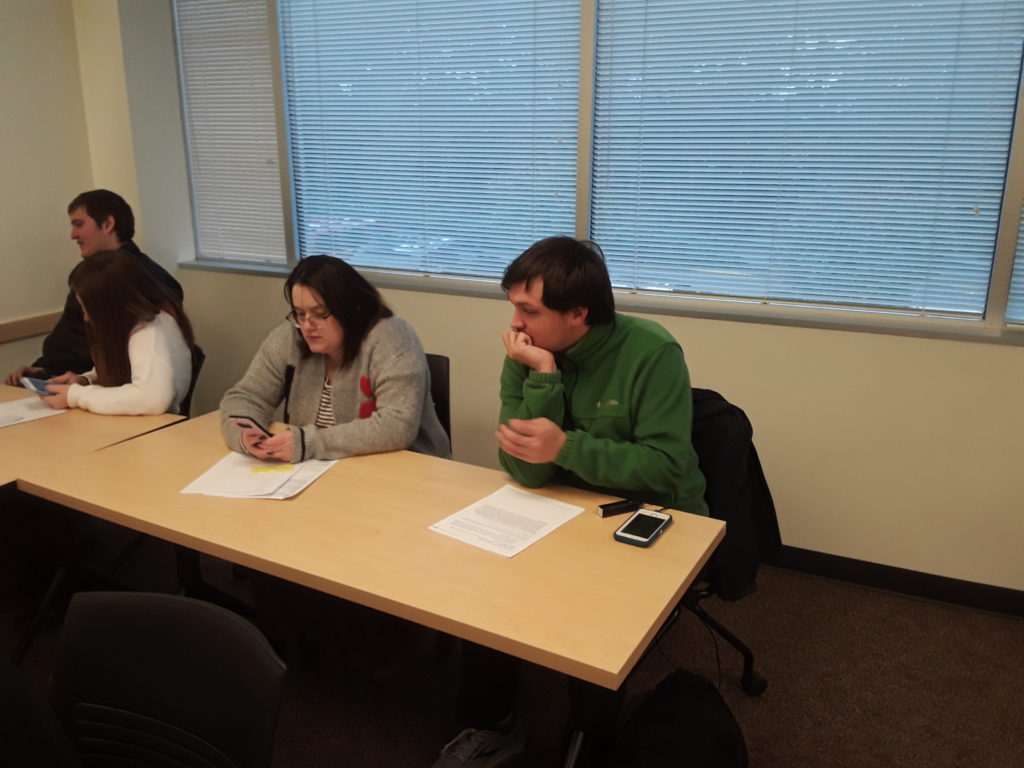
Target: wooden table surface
56, 440
577, 601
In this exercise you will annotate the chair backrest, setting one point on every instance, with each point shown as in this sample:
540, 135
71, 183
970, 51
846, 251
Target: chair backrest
159, 680
736, 491
440, 390
198, 358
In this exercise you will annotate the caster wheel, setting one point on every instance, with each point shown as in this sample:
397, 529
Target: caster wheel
753, 684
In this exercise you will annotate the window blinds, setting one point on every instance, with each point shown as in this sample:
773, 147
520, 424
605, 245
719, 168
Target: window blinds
226, 51
812, 151
436, 136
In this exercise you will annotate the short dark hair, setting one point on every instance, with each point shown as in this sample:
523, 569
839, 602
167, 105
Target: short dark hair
356, 304
100, 203
574, 275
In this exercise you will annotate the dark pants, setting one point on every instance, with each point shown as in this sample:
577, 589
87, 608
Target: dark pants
487, 695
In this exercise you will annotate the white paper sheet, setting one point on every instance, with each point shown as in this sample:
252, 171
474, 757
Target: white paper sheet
244, 477
18, 411
507, 521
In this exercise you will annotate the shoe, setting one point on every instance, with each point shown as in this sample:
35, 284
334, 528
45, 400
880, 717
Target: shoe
476, 748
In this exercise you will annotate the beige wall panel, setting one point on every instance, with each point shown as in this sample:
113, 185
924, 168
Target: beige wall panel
44, 154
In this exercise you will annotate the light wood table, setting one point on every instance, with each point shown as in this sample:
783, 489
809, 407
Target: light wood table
576, 601
56, 440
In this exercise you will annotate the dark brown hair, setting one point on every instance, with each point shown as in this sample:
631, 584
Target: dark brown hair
574, 275
348, 296
117, 294
100, 203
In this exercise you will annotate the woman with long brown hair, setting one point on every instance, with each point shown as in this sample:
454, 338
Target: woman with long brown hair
139, 336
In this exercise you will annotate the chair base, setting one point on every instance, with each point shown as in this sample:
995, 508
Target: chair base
752, 682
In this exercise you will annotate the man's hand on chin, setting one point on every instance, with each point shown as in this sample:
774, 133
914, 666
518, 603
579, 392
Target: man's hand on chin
536, 441
520, 348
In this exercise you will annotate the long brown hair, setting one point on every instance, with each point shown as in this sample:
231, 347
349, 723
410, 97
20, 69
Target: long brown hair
117, 294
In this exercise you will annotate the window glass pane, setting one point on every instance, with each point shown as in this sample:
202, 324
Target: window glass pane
431, 136
830, 152
225, 49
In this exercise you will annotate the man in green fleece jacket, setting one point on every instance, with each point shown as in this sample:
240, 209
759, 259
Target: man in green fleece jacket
589, 398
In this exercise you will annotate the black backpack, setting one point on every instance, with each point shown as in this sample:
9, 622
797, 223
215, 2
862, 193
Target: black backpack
683, 723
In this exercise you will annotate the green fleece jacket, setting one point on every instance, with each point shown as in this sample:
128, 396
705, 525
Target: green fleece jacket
622, 395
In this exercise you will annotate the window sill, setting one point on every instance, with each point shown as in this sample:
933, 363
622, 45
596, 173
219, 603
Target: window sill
850, 319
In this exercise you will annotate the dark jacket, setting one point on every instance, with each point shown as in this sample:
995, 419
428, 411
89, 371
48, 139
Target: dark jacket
67, 348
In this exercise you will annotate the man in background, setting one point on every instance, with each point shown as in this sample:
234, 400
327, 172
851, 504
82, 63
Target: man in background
100, 220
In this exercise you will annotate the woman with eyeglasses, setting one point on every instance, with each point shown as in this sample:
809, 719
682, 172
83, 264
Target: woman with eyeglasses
139, 337
352, 375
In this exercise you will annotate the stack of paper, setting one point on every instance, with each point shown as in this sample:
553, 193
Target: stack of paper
244, 477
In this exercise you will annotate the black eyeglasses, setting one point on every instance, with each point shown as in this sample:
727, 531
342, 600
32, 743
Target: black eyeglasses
297, 318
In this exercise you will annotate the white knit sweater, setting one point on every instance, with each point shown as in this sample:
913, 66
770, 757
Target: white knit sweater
161, 372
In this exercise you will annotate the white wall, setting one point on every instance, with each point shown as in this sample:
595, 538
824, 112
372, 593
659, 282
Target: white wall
101, 65
896, 450
44, 154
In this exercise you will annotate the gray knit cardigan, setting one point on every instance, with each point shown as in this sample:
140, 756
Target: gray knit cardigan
381, 399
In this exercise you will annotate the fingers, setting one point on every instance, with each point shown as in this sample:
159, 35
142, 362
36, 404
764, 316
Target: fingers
513, 444
515, 341
529, 427
253, 443
522, 438
13, 377
279, 446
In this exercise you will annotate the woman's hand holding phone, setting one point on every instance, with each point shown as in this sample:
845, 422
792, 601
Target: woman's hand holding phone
278, 447
258, 441
58, 397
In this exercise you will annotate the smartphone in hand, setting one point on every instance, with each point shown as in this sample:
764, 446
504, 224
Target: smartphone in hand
249, 426
36, 386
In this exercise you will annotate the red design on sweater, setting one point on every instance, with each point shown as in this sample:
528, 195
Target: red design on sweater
366, 408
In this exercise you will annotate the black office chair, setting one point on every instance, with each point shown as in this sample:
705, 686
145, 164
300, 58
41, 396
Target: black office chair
30, 734
153, 681
440, 390
737, 493
198, 358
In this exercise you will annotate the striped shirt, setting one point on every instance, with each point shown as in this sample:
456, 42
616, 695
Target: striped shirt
325, 411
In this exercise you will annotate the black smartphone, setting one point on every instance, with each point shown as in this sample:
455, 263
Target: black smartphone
248, 424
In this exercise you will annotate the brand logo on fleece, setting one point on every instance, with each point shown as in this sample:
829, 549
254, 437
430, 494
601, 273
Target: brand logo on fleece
368, 406
607, 403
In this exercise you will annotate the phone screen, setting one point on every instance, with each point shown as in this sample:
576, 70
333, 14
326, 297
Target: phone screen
35, 385
643, 526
